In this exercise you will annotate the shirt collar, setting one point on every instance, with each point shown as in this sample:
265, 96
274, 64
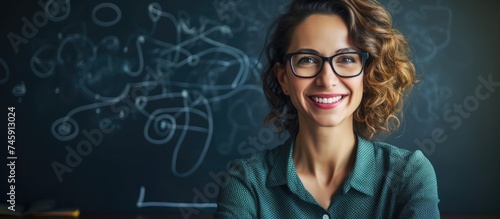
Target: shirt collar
361, 177
279, 168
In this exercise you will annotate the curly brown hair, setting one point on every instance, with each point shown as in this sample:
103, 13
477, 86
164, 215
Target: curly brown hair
388, 77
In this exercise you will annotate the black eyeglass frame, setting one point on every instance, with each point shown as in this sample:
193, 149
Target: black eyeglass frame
364, 58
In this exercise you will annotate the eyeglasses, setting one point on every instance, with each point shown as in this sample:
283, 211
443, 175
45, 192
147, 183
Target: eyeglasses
309, 65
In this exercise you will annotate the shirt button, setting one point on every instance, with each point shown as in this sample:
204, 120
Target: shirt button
325, 216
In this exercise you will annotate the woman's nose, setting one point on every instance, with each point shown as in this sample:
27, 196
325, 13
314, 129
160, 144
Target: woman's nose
327, 76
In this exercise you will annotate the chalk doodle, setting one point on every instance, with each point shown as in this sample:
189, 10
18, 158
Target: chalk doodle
174, 82
249, 17
434, 96
19, 90
111, 6
57, 10
428, 30
142, 204
41, 65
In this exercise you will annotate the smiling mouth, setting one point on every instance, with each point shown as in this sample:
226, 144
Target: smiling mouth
327, 100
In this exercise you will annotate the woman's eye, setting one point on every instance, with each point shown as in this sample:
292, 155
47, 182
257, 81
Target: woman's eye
306, 60
346, 59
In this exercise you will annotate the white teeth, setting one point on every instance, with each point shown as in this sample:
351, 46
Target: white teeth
327, 100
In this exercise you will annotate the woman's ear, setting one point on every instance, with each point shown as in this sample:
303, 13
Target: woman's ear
279, 71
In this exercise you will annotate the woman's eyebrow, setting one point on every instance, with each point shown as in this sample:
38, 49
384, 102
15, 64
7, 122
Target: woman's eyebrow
309, 50
347, 49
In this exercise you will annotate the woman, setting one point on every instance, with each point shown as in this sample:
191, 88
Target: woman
336, 79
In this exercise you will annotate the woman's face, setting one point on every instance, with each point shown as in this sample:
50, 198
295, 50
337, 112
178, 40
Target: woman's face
326, 100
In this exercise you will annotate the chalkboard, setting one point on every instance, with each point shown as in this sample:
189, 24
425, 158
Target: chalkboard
138, 106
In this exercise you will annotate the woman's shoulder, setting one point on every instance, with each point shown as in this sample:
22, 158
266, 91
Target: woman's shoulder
412, 176
259, 164
397, 155
411, 165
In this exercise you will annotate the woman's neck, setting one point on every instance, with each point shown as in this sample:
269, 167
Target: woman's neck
325, 151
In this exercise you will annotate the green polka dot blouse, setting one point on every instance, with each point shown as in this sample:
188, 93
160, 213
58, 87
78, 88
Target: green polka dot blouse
386, 182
